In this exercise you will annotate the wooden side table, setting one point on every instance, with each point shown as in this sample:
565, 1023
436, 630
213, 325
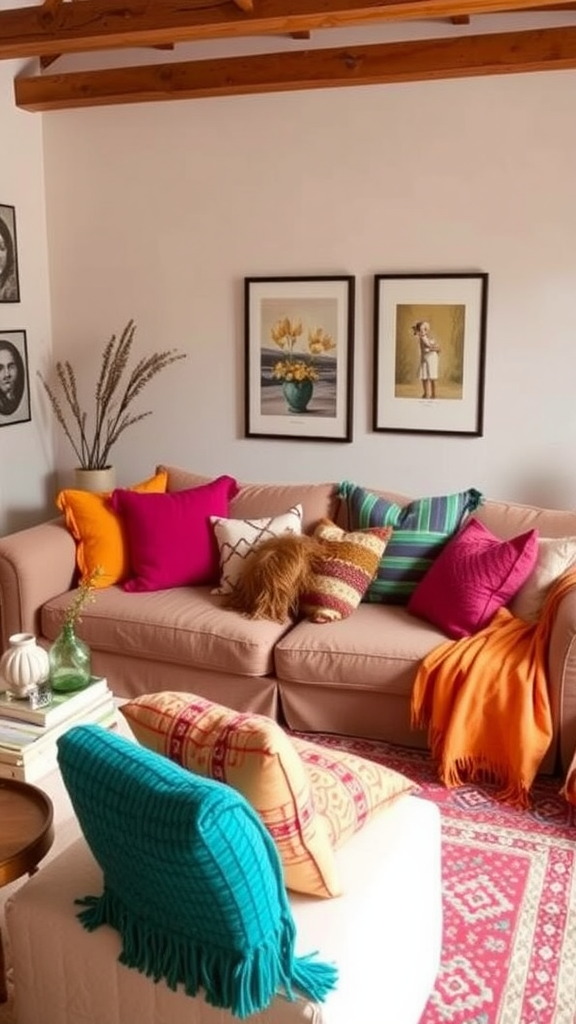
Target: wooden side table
26, 835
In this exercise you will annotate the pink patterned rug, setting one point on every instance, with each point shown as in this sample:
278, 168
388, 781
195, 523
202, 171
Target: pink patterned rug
509, 893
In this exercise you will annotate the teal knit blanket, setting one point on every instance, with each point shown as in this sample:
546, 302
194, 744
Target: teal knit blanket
192, 880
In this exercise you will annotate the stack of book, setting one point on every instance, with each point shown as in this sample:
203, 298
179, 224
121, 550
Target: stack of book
28, 735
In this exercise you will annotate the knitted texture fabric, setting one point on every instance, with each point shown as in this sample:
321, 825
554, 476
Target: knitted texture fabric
192, 880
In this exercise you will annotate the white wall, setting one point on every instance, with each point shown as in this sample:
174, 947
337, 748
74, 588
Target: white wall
158, 211
26, 449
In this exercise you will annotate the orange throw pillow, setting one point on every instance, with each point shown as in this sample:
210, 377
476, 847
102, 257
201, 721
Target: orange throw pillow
98, 531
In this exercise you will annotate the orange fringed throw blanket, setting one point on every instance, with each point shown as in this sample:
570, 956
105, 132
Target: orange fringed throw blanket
485, 700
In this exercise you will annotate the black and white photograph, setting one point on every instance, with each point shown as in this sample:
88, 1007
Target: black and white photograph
14, 381
9, 282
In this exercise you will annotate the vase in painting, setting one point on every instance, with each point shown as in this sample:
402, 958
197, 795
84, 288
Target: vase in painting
297, 394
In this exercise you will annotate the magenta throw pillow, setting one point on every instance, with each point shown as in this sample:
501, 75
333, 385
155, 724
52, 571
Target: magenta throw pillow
171, 542
474, 575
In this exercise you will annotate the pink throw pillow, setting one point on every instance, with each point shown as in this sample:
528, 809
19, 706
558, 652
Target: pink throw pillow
171, 542
474, 575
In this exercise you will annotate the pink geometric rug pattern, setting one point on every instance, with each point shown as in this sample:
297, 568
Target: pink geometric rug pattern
509, 899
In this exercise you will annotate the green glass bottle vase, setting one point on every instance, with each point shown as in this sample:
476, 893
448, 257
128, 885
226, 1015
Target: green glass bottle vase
70, 661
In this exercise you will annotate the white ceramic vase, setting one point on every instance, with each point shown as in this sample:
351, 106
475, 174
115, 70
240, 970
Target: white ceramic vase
95, 480
24, 665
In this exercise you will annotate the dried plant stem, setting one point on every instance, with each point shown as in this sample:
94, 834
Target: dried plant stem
113, 397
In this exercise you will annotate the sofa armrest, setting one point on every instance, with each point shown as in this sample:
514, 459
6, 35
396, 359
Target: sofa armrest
562, 677
35, 565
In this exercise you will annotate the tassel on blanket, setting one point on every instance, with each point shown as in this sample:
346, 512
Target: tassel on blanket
485, 701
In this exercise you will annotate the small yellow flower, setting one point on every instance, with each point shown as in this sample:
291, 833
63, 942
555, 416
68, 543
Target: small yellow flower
285, 333
320, 341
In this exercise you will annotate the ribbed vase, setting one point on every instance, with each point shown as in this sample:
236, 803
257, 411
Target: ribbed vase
24, 665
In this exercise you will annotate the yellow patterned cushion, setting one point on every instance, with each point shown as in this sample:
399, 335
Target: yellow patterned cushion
347, 789
344, 572
309, 797
98, 531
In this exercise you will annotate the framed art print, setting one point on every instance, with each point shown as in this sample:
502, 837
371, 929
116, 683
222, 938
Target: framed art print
14, 382
9, 282
429, 353
299, 357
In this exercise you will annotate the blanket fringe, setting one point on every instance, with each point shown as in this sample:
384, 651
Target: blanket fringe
462, 770
245, 985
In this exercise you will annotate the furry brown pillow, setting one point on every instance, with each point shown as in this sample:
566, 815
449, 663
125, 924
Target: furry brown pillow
274, 576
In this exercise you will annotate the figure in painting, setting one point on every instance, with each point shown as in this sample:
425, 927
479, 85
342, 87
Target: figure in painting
8, 280
11, 378
429, 350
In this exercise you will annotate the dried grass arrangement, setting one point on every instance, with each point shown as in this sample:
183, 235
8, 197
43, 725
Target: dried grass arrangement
117, 388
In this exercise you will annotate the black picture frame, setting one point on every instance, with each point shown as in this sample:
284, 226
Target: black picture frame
299, 385
9, 276
430, 353
14, 379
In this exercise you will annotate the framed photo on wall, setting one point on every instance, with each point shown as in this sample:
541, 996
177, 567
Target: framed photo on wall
299, 357
429, 353
14, 381
9, 282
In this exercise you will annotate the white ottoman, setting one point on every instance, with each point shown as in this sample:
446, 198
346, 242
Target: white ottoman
384, 935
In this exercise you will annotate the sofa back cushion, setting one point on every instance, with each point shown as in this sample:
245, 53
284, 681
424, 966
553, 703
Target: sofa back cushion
318, 500
507, 519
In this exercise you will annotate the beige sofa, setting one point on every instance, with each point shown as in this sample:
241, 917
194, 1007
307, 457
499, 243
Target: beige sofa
352, 677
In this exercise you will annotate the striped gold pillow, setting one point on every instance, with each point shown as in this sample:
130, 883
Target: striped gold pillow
344, 572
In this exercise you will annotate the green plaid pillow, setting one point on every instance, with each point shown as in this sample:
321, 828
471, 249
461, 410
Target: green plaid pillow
421, 528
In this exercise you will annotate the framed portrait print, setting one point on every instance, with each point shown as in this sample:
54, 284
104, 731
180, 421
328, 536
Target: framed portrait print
429, 353
299, 357
9, 282
14, 381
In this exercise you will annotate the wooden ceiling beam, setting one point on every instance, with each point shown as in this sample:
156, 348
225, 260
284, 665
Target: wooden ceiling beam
88, 25
423, 60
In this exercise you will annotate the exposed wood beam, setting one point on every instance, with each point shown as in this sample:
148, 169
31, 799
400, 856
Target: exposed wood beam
503, 53
86, 25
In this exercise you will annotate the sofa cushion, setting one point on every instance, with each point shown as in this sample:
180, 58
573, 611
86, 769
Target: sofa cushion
309, 797
343, 572
318, 500
421, 528
99, 532
555, 556
237, 538
180, 626
378, 648
192, 881
473, 576
170, 538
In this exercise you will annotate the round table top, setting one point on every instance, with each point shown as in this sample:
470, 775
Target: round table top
26, 828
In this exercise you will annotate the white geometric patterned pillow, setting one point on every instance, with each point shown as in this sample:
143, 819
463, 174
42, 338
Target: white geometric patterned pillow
237, 538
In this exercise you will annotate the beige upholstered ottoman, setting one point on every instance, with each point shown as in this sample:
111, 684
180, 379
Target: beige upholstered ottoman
384, 934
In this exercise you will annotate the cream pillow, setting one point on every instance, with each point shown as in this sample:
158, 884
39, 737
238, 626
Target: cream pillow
555, 556
237, 538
